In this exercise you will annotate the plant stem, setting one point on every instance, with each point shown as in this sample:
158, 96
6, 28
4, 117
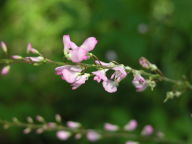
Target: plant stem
104, 134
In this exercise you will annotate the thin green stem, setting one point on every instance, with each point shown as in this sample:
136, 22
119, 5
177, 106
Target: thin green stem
156, 76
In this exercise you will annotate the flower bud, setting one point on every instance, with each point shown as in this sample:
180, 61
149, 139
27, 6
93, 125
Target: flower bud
147, 64
34, 59
5, 70
58, 118
3, 47
26, 130
110, 127
39, 130
147, 130
93, 136
40, 118
132, 125
63, 135
144, 62
29, 120
151, 84
30, 49
78, 136
16, 57
72, 124
131, 142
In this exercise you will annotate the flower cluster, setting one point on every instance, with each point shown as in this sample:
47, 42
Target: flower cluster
74, 74
77, 131
110, 74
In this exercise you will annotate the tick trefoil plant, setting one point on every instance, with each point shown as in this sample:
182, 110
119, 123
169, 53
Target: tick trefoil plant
75, 71
65, 130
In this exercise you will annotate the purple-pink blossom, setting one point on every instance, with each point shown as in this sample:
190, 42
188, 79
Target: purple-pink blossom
72, 74
5, 70
131, 142
147, 130
100, 75
78, 53
139, 82
63, 135
110, 127
119, 73
73, 125
132, 125
93, 135
110, 86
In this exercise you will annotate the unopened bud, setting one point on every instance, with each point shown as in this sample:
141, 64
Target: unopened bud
30, 49
58, 118
5, 70
63, 135
147, 64
29, 119
3, 47
6, 126
151, 84
78, 136
16, 57
40, 118
73, 125
39, 130
15, 120
26, 130
144, 62
169, 95
34, 59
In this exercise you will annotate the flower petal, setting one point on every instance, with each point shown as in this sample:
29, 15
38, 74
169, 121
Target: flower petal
110, 86
89, 44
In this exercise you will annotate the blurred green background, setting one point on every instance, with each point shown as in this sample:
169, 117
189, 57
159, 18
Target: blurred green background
160, 30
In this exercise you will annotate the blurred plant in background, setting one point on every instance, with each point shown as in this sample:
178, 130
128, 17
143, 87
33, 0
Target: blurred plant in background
160, 30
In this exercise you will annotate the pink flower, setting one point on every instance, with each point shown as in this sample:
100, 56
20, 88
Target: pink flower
63, 135
78, 53
80, 80
5, 70
132, 125
93, 136
69, 73
131, 142
30, 49
72, 74
119, 73
100, 75
139, 83
110, 86
110, 127
72, 124
147, 130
